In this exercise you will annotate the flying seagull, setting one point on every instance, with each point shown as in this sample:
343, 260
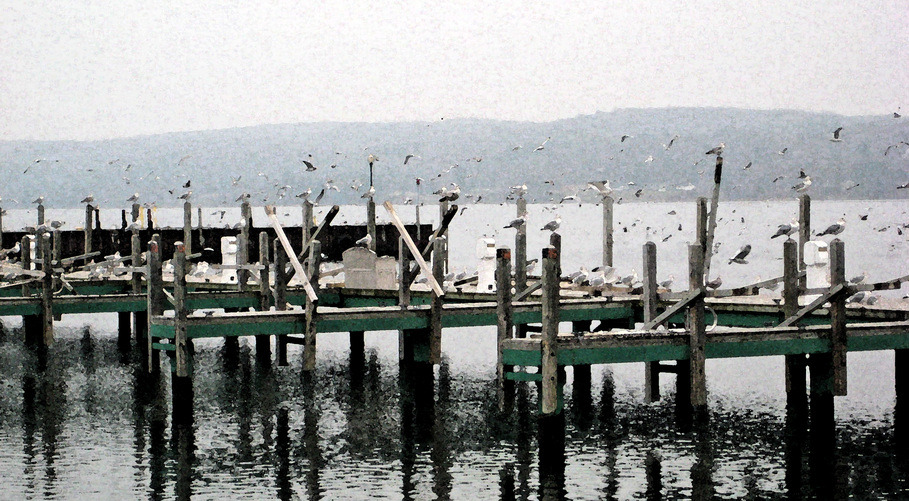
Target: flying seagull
624, 137
740, 257
803, 185
834, 229
602, 187
309, 166
836, 135
667, 146
783, 151
747, 166
717, 151
554, 224
787, 229
540, 147
409, 156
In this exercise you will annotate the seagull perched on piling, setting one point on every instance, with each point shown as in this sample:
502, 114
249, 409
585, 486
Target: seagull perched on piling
553, 225
518, 222
742, 254
803, 185
371, 192
602, 187
449, 195
834, 229
718, 151
364, 242
87, 200
134, 198
39, 200
787, 229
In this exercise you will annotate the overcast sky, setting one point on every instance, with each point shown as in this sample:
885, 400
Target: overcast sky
89, 70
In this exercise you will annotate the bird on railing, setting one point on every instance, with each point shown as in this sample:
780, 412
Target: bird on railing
666, 284
715, 283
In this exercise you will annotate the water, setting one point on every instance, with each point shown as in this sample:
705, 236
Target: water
89, 426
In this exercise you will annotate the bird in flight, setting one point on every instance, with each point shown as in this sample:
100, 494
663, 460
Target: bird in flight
739, 258
540, 147
836, 135
409, 156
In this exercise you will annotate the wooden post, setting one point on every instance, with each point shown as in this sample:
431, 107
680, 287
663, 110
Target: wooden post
181, 381
243, 245
307, 222
555, 240
443, 208
47, 290
309, 335
550, 395
795, 364
505, 326
1, 227
199, 228
371, 223
263, 342
57, 243
804, 234
149, 223
697, 330
30, 323
838, 338
520, 250
701, 224
608, 204
134, 212
155, 290
188, 227
435, 305
280, 299
651, 369
714, 204
901, 408
87, 229
403, 296
40, 214
140, 318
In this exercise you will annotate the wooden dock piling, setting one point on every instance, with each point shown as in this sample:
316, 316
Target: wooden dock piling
804, 234
435, 305
403, 295
651, 369
155, 291
520, 250
140, 318
608, 238
371, 223
181, 380
701, 223
31, 324
551, 391
697, 330
263, 341
838, 339
47, 290
280, 299
505, 325
87, 229
714, 205
443, 210
188, 227
309, 334
795, 364
40, 214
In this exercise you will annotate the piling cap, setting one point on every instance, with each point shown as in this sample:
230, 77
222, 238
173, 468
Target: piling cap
503, 253
550, 253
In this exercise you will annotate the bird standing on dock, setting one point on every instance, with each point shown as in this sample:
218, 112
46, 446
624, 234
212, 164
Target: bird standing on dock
39, 200
803, 185
364, 242
834, 229
553, 225
742, 254
787, 229
666, 284
836, 136
134, 198
715, 283
87, 200
518, 222
859, 279
371, 192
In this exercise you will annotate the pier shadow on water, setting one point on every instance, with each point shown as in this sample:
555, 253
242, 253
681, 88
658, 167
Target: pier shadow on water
363, 424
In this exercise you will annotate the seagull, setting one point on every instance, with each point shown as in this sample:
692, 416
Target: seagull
896, 115
747, 166
602, 187
836, 136
449, 195
630, 279
409, 156
243, 196
364, 242
186, 195
531, 264
568, 198
579, 276
782, 152
667, 146
742, 254
859, 279
369, 193
518, 191
371, 159
540, 147
649, 159
518, 222
39, 200
305, 195
309, 166
834, 229
803, 185
554, 224
624, 137
715, 283
858, 297
786, 229
87, 200
134, 198
666, 284
234, 181
718, 151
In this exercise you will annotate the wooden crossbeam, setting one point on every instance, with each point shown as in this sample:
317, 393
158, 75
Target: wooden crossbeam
310, 292
418, 257
886, 285
329, 217
68, 260
446, 220
677, 307
817, 303
528, 291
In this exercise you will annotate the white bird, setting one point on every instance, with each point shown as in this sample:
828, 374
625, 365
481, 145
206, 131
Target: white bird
782, 152
803, 185
518, 191
531, 264
518, 222
602, 187
666, 284
39, 200
859, 279
858, 297
579, 276
718, 151
134, 198
371, 159
87, 200
305, 194
365, 241
836, 136
624, 137
786, 229
649, 159
449, 195
630, 280
834, 229
369, 193
554, 224
540, 147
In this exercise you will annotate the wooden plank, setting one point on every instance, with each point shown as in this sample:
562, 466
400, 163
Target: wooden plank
289, 251
681, 304
549, 394
528, 291
443, 228
817, 303
326, 221
427, 271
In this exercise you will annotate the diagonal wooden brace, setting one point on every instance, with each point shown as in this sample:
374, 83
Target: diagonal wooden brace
418, 257
310, 292
677, 307
443, 226
817, 303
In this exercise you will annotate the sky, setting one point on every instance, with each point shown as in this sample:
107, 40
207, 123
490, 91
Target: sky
95, 70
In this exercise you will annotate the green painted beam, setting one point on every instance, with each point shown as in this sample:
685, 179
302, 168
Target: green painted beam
164, 346
523, 376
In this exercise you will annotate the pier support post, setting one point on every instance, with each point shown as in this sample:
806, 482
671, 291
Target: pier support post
188, 227
140, 318
697, 331
181, 382
821, 411
309, 335
608, 207
838, 338
307, 221
804, 234
371, 223
40, 214
403, 293
263, 341
520, 260
505, 326
551, 391
651, 369
701, 223
47, 290
443, 209
155, 299
31, 324
435, 305
796, 397
901, 408
580, 388
280, 299
87, 229
714, 204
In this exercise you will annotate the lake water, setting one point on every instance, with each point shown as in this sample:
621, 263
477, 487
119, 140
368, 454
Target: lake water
89, 425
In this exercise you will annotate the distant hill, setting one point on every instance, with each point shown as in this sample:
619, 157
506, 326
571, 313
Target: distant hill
484, 155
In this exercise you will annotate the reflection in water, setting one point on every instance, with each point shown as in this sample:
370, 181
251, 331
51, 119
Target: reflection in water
311, 415
43, 411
